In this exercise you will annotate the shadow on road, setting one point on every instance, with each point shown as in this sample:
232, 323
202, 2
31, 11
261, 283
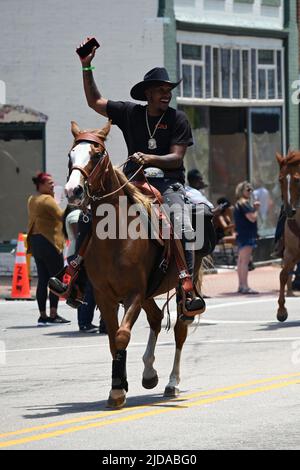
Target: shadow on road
279, 326
236, 294
60, 409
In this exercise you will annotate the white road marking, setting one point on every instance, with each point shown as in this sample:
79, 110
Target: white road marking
169, 343
203, 320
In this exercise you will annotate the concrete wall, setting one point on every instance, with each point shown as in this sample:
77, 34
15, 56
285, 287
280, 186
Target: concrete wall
42, 71
250, 14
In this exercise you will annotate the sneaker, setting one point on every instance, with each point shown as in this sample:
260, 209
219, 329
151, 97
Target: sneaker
42, 321
89, 329
58, 319
248, 290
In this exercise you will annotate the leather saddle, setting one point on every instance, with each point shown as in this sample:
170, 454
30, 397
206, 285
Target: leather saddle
172, 247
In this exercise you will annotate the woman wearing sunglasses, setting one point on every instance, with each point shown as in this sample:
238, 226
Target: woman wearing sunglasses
245, 216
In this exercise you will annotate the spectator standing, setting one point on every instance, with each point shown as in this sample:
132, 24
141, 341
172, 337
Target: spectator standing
45, 240
245, 216
85, 312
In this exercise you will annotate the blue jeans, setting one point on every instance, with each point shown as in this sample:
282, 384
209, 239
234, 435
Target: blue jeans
85, 313
280, 224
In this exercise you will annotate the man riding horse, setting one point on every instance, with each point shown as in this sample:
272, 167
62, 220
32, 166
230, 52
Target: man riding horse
157, 137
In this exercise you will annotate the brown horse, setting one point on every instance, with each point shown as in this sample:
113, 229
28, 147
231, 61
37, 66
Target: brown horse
289, 179
119, 267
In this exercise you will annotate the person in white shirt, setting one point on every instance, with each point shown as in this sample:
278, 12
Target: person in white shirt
85, 311
194, 188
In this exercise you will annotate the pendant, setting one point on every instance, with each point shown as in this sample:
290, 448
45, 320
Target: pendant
152, 144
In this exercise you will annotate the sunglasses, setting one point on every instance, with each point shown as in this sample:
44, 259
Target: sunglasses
249, 189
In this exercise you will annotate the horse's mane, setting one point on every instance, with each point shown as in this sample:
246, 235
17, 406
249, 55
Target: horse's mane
132, 191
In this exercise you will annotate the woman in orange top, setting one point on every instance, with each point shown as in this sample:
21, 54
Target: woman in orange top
45, 242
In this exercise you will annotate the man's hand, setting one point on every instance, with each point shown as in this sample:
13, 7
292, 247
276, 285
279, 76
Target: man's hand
86, 61
140, 158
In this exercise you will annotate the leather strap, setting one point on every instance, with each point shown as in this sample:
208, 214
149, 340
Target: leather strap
88, 136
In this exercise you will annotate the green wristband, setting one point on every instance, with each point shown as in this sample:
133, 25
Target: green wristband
87, 69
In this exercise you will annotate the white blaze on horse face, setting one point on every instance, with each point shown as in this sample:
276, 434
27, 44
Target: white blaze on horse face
79, 156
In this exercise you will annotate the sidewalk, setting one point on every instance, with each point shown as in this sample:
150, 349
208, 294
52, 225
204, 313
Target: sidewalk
264, 279
222, 284
6, 283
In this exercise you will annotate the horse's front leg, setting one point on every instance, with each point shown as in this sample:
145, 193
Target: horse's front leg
288, 266
117, 396
180, 331
109, 312
154, 317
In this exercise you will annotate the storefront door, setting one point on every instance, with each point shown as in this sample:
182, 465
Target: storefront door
228, 151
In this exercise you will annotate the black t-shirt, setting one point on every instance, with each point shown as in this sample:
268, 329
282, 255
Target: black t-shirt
173, 129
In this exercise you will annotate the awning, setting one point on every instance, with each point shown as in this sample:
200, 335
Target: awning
18, 114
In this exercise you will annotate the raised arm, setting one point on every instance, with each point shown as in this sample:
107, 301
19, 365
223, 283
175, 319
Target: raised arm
93, 96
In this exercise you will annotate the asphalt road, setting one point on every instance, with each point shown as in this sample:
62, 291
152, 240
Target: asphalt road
240, 383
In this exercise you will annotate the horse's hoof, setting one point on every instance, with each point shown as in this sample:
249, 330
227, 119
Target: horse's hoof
116, 401
150, 383
282, 315
171, 392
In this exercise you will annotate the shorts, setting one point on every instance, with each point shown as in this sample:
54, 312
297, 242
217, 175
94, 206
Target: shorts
246, 242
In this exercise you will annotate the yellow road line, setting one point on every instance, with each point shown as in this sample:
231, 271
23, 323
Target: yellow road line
145, 414
105, 414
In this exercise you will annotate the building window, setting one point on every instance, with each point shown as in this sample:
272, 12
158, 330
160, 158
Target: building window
271, 3
230, 73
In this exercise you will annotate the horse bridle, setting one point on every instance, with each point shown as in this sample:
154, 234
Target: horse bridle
103, 159
88, 177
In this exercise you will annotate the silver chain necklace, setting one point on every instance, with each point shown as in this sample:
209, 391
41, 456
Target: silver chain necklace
152, 142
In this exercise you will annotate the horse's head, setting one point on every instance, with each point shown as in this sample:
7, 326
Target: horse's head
289, 179
88, 148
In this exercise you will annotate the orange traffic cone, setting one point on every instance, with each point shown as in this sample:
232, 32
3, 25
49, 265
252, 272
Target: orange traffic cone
20, 284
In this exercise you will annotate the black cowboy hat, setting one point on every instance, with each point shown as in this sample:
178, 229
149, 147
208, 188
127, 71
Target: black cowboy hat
154, 76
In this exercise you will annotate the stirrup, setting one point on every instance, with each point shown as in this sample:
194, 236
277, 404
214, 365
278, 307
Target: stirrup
58, 287
190, 306
196, 303
75, 297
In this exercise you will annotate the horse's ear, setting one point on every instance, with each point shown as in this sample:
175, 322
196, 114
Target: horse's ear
105, 130
75, 129
279, 158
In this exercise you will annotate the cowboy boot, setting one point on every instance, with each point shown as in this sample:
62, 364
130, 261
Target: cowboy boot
74, 290
193, 302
